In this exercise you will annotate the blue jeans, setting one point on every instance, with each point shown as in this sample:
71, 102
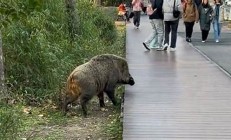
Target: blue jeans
156, 38
217, 29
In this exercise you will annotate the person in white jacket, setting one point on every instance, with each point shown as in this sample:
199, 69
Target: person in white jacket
171, 23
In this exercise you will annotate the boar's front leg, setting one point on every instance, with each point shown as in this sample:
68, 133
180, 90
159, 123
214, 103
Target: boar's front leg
111, 94
83, 101
101, 99
65, 102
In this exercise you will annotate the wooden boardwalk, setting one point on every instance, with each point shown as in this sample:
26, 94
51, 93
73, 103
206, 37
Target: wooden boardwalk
177, 96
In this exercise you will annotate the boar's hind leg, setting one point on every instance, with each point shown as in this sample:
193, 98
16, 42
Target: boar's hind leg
101, 99
111, 95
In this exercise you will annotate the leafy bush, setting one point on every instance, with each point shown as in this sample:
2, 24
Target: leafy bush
37, 48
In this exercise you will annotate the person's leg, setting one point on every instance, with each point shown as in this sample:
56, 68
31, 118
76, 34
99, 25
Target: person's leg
135, 18
191, 24
154, 43
203, 35
160, 31
215, 30
138, 18
174, 27
219, 30
166, 32
206, 34
166, 35
153, 34
187, 30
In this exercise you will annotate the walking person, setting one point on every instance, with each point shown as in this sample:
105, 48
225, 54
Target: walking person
137, 8
205, 16
171, 22
190, 16
218, 19
156, 19
122, 11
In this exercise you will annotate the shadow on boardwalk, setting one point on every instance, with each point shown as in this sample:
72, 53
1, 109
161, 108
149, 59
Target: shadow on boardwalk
178, 95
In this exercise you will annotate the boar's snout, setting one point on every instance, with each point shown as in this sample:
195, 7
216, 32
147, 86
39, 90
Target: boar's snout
131, 81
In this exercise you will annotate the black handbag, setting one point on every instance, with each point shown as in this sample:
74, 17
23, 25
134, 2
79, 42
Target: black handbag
176, 12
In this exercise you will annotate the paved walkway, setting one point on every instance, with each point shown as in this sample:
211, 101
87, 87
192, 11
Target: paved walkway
178, 95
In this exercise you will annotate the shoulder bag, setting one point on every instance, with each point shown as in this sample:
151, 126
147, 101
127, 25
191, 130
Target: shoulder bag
176, 12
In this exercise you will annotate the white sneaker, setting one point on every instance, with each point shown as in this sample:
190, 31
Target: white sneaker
165, 47
172, 49
217, 41
136, 27
203, 41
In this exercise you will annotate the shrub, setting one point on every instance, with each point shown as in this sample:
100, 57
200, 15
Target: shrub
37, 49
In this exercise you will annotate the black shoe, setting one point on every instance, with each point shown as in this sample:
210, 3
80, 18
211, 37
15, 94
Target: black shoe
189, 40
146, 46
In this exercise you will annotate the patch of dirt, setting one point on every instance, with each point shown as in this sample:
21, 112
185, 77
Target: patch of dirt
77, 127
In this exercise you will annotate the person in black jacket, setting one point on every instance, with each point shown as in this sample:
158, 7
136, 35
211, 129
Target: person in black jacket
156, 19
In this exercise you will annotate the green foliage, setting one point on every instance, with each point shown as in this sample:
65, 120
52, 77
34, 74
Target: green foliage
37, 49
39, 54
99, 22
10, 123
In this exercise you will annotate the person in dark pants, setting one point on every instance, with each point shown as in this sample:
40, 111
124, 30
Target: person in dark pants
137, 8
190, 15
205, 16
171, 23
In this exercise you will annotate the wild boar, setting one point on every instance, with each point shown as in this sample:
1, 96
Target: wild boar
101, 74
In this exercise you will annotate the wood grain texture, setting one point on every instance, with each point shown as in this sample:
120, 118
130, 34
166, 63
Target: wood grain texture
177, 96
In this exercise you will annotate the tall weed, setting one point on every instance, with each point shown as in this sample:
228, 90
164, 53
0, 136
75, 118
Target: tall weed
37, 48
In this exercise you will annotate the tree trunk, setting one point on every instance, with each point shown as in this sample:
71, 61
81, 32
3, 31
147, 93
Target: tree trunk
2, 85
71, 18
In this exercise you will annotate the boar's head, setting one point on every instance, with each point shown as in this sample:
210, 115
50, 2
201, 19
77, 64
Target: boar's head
125, 76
